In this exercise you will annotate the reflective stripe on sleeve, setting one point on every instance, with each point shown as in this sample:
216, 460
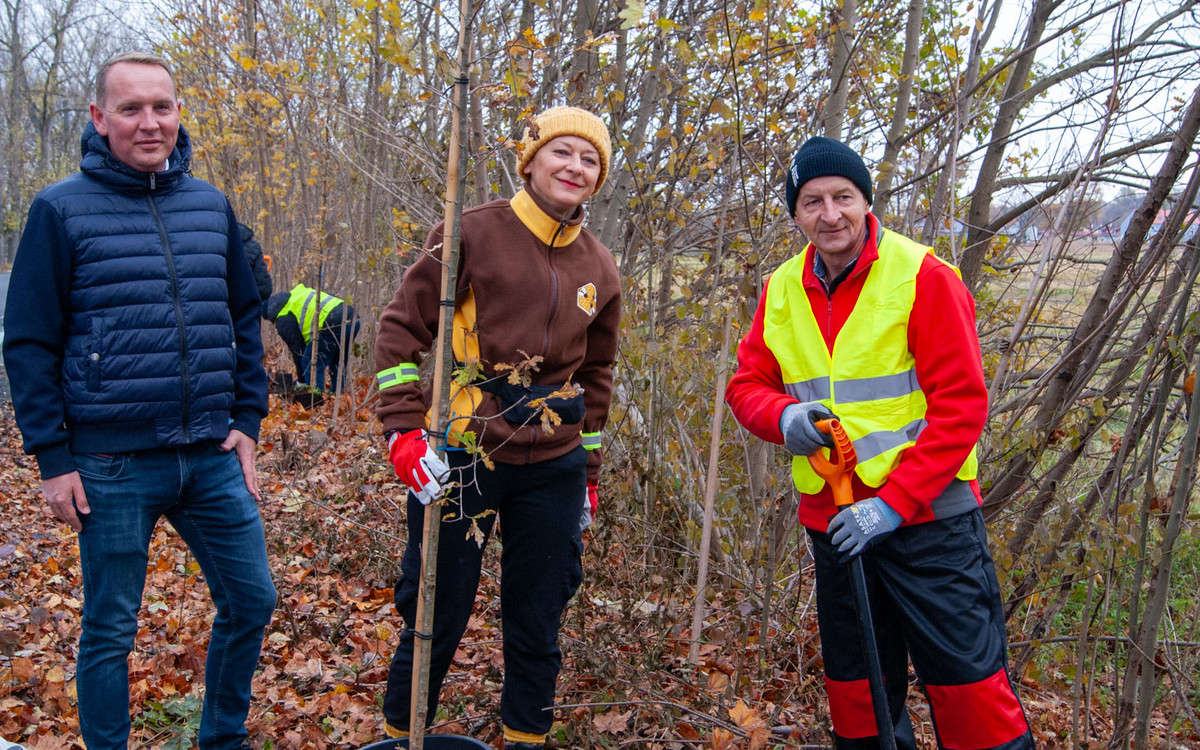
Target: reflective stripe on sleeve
591, 440
405, 372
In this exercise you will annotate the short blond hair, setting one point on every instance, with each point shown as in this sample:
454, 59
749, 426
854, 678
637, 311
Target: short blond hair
141, 58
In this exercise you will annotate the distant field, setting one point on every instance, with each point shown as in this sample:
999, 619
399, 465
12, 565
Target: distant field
1074, 272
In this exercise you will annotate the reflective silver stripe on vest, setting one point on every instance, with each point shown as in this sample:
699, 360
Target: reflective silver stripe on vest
877, 388
956, 499
876, 443
306, 330
857, 389
814, 389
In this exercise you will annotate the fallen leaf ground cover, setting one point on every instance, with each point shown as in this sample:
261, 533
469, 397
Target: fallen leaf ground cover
333, 516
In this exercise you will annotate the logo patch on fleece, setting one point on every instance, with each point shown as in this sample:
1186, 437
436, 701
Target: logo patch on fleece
585, 298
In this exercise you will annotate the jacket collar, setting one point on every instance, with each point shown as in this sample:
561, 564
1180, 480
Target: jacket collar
97, 161
868, 255
546, 228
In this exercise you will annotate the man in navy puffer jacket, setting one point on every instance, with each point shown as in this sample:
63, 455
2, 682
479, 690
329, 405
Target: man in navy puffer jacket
137, 383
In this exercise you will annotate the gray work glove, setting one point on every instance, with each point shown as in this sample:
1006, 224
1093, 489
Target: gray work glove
799, 427
861, 526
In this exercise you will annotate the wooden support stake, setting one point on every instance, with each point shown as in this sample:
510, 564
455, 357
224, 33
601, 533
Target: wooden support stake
443, 368
710, 491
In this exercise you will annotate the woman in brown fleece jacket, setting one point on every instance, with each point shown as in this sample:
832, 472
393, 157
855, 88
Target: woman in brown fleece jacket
537, 309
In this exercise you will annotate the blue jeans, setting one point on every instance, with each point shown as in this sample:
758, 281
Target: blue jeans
201, 491
332, 354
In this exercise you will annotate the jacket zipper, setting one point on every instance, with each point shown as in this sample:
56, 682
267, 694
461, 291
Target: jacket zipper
536, 434
829, 321
553, 286
183, 347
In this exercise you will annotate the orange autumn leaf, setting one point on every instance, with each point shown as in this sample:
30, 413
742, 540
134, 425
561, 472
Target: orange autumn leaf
717, 680
612, 722
752, 723
23, 669
722, 739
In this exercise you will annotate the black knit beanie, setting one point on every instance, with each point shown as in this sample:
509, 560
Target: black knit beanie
275, 304
824, 157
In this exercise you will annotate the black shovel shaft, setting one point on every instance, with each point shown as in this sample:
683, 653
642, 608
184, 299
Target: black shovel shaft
866, 630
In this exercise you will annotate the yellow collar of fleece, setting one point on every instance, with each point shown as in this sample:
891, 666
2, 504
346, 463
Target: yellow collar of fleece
548, 230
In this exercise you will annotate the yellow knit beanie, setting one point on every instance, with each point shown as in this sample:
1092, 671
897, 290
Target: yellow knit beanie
558, 121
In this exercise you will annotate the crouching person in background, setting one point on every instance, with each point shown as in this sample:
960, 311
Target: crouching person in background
337, 327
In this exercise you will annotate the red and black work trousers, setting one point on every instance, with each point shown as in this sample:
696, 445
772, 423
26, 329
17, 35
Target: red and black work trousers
934, 598
540, 570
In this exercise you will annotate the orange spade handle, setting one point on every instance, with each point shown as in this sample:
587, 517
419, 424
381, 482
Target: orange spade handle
838, 469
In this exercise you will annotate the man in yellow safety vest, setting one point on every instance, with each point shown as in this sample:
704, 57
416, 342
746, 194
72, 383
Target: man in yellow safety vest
873, 327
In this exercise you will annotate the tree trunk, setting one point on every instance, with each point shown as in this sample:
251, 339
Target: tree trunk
844, 21
1011, 104
891, 152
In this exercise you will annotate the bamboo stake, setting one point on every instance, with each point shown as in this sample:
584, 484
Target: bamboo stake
343, 349
314, 326
455, 166
710, 491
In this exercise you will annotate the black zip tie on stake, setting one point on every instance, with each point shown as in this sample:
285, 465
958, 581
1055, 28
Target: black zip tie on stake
423, 636
442, 442
463, 80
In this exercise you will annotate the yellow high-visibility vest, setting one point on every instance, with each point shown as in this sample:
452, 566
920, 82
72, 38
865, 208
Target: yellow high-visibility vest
301, 304
870, 379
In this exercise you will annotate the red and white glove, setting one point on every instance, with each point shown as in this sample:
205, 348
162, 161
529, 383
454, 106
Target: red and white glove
591, 501
418, 465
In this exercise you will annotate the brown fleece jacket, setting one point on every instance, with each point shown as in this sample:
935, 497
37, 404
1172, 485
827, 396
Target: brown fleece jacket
562, 303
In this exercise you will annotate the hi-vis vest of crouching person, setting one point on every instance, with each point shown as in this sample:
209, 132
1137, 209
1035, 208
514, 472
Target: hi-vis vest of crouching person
302, 303
870, 379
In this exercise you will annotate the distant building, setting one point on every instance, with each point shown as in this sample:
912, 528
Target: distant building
1190, 226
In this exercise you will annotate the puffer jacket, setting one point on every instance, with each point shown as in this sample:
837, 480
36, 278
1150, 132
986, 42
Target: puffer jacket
139, 324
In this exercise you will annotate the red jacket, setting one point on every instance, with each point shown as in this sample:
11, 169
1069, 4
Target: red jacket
945, 345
